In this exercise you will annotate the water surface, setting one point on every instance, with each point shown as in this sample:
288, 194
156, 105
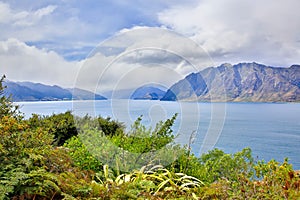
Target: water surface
271, 130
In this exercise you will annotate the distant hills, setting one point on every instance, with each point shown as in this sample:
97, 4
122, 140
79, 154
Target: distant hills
80, 94
118, 94
148, 93
243, 82
28, 91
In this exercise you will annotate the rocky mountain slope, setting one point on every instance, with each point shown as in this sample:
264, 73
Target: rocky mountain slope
241, 82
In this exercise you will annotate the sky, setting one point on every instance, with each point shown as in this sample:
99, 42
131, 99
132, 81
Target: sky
116, 44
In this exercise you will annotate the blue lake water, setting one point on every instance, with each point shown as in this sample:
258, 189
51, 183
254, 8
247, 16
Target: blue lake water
271, 130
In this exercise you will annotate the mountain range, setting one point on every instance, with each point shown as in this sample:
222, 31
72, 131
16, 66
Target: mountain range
28, 91
243, 82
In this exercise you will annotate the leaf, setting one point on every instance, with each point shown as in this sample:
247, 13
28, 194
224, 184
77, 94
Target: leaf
161, 185
185, 185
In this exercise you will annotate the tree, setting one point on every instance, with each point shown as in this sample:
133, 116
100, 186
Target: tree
7, 108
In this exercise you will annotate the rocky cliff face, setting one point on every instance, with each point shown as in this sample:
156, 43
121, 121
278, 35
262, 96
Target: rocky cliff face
240, 82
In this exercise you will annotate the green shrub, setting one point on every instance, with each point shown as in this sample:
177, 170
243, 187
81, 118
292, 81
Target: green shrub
110, 127
218, 164
62, 126
81, 156
23, 153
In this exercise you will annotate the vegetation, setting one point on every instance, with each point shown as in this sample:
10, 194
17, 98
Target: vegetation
6, 106
47, 157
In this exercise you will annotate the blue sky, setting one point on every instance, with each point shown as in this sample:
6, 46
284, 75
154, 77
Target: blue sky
42, 41
74, 28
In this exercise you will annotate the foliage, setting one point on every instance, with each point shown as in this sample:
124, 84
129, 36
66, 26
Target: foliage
7, 108
81, 156
218, 165
22, 157
62, 126
278, 180
34, 165
272, 181
140, 140
110, 127
137, 148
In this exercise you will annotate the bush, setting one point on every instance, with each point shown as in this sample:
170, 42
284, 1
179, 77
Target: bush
81, 156
61, 126
22, 158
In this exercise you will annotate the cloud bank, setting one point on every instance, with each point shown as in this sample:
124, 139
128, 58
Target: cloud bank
20, 62
233, 31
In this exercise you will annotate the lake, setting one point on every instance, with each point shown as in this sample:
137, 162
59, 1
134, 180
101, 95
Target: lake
271, 130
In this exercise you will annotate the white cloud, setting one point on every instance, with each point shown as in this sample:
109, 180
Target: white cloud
20, 62
32, 18
139, 56
23, 18
232, 30
25, 25
135, 65
45, 24
98, 73
5, 12
162, 40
